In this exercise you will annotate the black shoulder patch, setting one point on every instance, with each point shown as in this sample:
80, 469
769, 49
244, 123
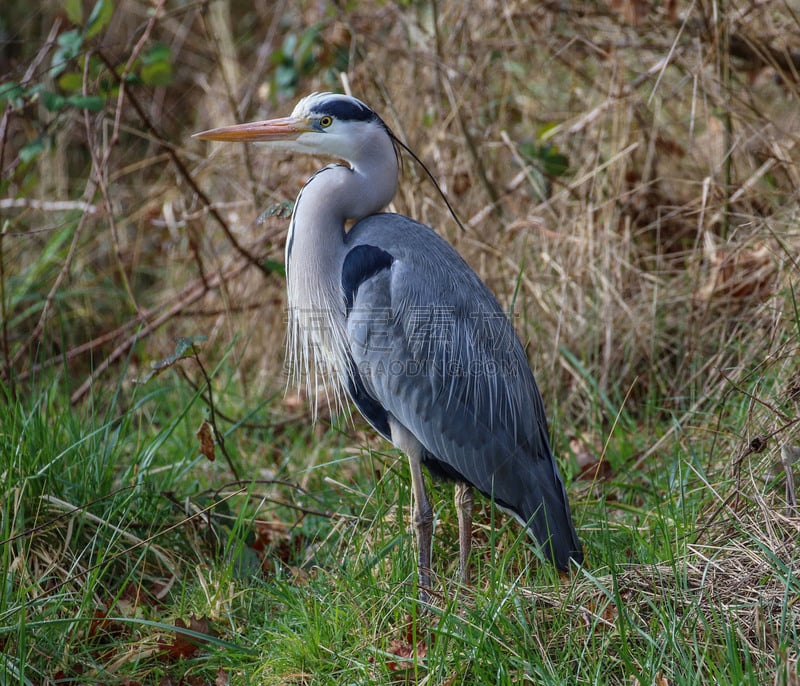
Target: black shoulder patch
362, 263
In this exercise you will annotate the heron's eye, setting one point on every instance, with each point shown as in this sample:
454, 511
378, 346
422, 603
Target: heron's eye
325, 121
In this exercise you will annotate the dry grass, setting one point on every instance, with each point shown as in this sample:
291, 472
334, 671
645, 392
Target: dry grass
634, 259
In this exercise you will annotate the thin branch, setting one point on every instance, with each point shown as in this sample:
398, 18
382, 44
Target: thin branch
218, 435
156, 14
89, 191
194, 294
46, 205
4, 315
184, 172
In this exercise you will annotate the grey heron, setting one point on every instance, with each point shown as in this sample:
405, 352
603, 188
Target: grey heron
389, 313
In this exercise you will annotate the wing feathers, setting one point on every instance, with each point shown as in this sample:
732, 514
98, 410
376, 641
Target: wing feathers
434, 350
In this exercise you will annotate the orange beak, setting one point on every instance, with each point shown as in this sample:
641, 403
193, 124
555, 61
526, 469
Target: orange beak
284, 129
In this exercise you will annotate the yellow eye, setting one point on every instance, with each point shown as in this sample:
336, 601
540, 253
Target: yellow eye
325, 121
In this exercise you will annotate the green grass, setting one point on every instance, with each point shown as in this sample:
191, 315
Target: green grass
114, 528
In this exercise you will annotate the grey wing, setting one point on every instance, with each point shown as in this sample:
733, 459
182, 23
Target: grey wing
431, 348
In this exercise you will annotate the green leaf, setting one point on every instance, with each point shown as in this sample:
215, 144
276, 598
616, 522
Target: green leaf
545, 157
275, 266
11, 92
304, 56
32, 150
555, 164
52, 101
99, 18
71, 41
545, 129
74, 10
69, 46
158, 73
157, 53
93, 103
70, 81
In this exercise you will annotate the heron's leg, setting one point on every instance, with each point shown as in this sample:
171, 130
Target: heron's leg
423, 512
465, 499
423, 525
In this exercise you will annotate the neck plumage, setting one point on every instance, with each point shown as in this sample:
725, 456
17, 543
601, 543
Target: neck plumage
315, 252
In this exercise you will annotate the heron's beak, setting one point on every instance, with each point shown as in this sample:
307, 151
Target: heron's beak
284, 129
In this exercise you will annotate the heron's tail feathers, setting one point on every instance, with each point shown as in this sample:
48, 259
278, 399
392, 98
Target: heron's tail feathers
546, 514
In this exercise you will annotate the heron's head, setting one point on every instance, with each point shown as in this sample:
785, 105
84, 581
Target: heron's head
321, 124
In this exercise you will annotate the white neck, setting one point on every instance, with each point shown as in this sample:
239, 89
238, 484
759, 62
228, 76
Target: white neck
315, 252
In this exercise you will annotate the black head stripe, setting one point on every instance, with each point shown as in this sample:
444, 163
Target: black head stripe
345, 109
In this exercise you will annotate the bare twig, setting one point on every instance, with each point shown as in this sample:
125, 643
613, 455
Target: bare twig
47, 205
100, 167
4, 317
88, 194
218, 435
187, 177
162, 316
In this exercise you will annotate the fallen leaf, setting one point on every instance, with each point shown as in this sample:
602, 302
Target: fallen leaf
183, 645
406, 650
658, 681
405, 653
736, 274
633, 12
591, 466
206, 437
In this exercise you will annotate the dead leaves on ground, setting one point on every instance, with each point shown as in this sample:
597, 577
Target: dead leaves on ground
658, 681
403, 654
185, 645
736, 275
591, 463
113, 632
275, 540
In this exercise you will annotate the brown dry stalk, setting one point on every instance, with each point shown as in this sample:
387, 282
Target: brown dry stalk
191, 295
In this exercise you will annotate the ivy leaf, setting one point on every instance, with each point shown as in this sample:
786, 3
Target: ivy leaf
157, 66
74, 10
30, 151
99, 18
93, 103
69, 46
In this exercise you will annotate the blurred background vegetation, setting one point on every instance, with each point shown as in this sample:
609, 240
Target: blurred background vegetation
627, 173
